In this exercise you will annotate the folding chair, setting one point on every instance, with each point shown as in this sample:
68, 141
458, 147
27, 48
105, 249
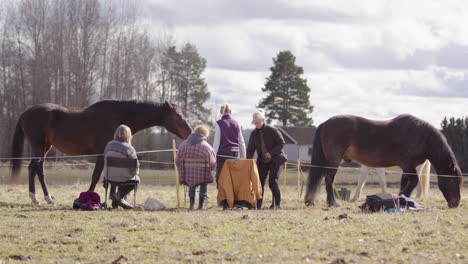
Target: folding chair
117, 162
188, 163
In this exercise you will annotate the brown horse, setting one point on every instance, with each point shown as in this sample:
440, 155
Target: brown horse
404, 141
86, 131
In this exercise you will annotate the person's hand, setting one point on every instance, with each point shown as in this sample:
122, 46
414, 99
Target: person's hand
268, 155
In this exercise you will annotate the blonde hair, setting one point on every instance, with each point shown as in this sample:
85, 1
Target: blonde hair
202, 129
123, 133
225, 109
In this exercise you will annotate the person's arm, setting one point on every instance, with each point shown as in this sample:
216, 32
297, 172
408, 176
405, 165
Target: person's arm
251, 146
217, 138
241, 144
211, 157
278, 142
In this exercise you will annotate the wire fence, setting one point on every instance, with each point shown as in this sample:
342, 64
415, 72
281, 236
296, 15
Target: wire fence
74, 168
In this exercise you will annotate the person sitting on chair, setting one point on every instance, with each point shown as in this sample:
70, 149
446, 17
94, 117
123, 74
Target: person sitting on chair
195, 161
128, 179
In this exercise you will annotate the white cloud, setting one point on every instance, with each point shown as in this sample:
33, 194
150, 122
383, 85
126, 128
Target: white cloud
371, 58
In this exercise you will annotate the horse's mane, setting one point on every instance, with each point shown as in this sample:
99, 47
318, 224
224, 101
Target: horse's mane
440, 152
126, 103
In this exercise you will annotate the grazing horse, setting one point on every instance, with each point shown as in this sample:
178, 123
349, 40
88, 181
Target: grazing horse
404, 141
86, 131
423, 175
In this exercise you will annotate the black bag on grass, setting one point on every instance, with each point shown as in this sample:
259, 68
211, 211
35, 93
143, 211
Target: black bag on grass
379, 202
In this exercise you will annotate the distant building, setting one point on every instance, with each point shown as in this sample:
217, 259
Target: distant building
298, 142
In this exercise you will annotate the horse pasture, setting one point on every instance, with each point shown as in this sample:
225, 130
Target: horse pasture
294, 234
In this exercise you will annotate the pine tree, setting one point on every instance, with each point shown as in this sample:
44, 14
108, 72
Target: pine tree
287, 98
456, 132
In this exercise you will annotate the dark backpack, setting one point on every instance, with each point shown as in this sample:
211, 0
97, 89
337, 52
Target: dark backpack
377, 202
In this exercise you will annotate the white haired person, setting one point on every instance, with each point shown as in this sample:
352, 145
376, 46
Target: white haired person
228, 140
194, 148
268, 142
120, 147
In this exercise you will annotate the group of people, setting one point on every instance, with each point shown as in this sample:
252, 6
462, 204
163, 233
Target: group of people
265, 140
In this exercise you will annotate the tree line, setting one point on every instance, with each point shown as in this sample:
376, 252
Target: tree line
456, 132
78, 52
75, 53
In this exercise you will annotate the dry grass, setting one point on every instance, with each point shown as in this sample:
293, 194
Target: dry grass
294, 234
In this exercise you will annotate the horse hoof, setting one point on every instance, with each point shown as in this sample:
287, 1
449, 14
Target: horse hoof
34, 201
309, 203
333, 204
49, 199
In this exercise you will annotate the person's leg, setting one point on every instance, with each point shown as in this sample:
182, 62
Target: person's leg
123, 190
219, 166
113, 196
191, 194
203, 192
262, 173
273, 184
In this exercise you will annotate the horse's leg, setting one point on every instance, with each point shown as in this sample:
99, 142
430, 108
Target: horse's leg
404, 181
42, 152
411, 181
361, 182
32, 184
383, 182
424, 174
419, 187
41, 176
97, 172
329, 184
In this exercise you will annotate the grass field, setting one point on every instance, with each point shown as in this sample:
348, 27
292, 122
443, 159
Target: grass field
294, 234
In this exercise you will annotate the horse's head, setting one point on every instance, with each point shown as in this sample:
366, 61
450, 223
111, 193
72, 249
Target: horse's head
450, 183
175, 123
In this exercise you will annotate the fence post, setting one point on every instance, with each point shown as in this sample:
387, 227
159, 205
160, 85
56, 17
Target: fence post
174, 149
299, 178
285, 175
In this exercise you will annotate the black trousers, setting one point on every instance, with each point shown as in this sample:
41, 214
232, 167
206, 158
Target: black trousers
269, 170
220, 162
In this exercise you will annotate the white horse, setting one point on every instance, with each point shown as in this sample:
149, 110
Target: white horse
424, 171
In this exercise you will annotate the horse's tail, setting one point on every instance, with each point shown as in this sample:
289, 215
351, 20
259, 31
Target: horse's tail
424, 178
316, 171
17, 151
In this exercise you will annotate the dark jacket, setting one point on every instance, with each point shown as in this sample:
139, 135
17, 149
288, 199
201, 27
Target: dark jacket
274, 143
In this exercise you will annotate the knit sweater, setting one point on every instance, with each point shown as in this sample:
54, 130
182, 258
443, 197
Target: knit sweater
119, 149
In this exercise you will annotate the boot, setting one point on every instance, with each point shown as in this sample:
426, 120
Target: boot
200, 203
275, 205
192, 203
121, 194
125, 205
259, 204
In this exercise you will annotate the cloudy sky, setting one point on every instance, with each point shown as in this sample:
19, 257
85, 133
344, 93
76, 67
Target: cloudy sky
376, 59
